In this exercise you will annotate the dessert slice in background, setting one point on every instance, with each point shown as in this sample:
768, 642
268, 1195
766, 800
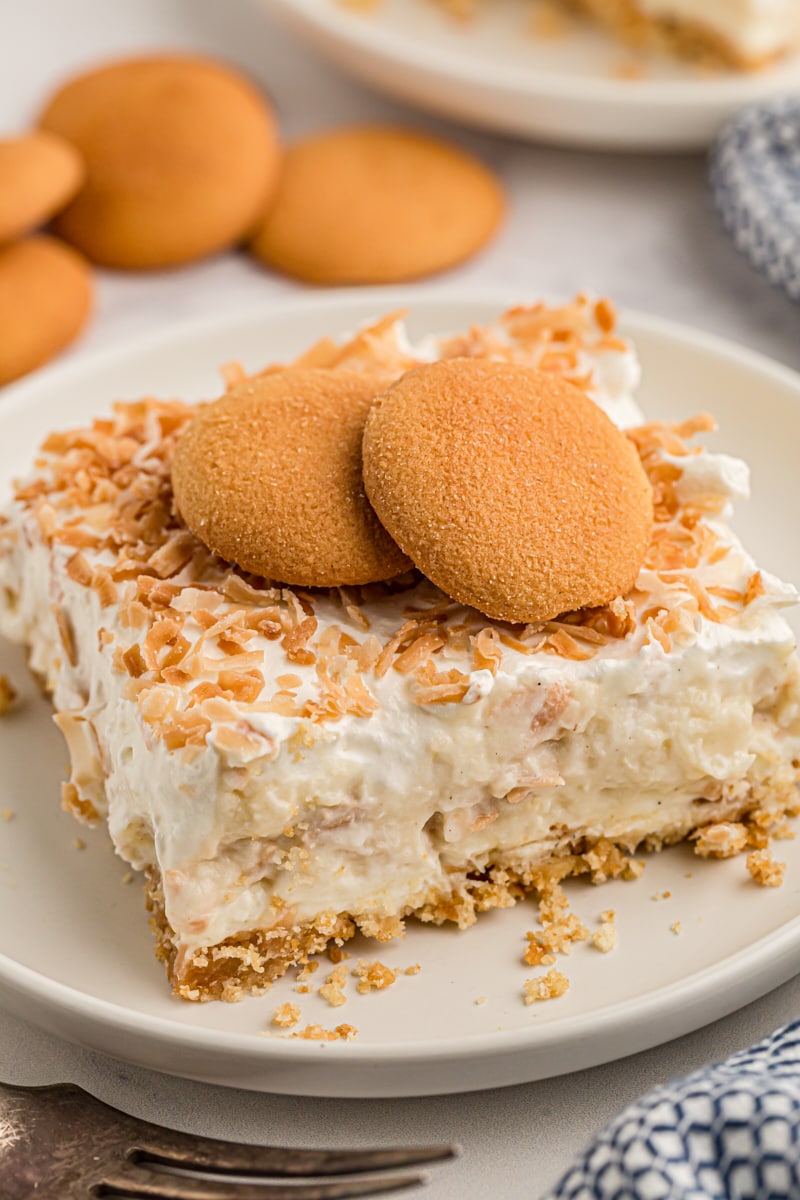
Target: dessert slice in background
740, 33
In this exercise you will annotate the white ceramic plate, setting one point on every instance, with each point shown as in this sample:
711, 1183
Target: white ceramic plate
491, 73
77, 955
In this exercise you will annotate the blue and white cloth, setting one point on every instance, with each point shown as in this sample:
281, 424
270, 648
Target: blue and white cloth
755, 180
727, 1132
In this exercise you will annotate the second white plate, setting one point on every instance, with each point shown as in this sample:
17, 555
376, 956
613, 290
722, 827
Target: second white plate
76, 955
491, 73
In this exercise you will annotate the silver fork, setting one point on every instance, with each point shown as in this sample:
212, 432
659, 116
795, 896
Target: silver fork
60, 1143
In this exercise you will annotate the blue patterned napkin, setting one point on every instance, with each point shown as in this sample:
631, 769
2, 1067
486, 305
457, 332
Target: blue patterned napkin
727, 1132
755, 180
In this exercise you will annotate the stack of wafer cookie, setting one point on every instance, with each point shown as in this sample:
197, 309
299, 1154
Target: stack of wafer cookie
155, 162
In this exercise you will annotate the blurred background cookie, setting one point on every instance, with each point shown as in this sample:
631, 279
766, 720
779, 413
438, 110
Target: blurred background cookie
377, 205
269, 477
181, 155
39, 174
45, 298
508, 487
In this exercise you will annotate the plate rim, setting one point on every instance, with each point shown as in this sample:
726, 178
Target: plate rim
764, 956
369, 37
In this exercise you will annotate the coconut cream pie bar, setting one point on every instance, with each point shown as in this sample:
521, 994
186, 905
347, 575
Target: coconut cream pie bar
290, 764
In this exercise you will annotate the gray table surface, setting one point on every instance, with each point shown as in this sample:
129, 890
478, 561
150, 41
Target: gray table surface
640, 229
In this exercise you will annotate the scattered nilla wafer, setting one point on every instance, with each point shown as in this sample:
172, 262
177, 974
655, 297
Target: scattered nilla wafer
508, 488
269, 477
45, 298
181, 153
39, 174
370, 204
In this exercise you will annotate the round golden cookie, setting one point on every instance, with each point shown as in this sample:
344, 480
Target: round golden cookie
45, 298
269, 477
182, 154
508, 488
39, 173
377, 205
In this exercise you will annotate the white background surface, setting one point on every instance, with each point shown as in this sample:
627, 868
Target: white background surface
638, 228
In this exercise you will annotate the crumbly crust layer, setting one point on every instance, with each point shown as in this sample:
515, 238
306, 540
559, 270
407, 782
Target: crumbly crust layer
249, 962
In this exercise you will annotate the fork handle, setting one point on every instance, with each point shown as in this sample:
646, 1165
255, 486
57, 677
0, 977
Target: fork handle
28, 1142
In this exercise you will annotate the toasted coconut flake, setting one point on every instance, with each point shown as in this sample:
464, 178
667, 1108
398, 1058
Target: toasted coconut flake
367, 654
487, 654
244, 686
566, 646
131, 660
419, 650
78, 569
755, 588
105, 587
296, 641
605, 315
185, 729
173, 555
66, 634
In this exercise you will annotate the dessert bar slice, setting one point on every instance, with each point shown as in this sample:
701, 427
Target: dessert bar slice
288, 766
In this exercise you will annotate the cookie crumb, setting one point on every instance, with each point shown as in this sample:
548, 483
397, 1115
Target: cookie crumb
676, 927
307, 970
722, 840
545, 987
414, 969
605, 938
286, 1015
8, 694
127, 877
78, 844
764, 869
481, 1000
318, 1033
336, 954
561, 928
332, 989
7, 814
373, 977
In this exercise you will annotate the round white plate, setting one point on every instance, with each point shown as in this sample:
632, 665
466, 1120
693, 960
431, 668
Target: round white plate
491, 73
77, 955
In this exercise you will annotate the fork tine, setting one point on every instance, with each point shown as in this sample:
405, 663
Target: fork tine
140, 1183
172, 1149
